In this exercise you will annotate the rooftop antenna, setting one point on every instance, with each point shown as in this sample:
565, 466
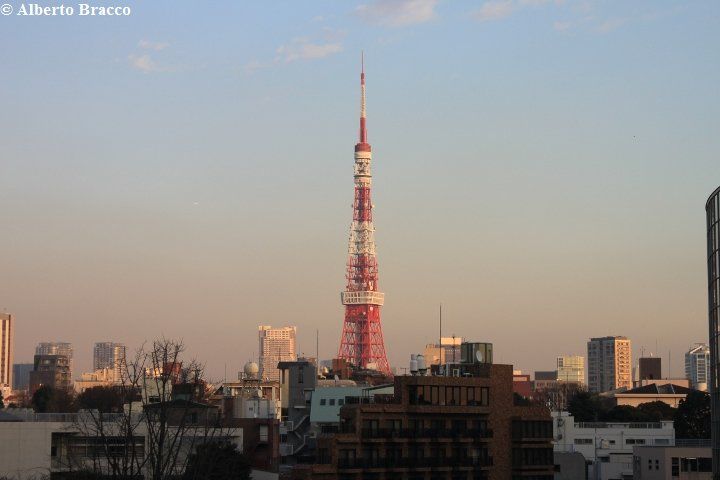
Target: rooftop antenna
317, 353
440, 347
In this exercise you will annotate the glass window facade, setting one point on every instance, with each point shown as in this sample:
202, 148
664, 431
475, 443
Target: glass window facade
712, 209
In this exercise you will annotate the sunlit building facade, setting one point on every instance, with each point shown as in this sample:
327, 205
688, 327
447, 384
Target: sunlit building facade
712, 209
6, 350
609, 364
697, 366
571, 368
276, 345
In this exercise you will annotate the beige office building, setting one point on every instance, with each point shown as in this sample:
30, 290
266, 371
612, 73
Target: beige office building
276, 345
6, 350
609, 363
571, 368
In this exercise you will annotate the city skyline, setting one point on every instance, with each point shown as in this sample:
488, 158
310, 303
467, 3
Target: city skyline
561, 174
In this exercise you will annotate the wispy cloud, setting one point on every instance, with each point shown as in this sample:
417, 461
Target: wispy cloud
143, 63
494, 10
610, 25
397, 13
562, 26
303, 49
157, 46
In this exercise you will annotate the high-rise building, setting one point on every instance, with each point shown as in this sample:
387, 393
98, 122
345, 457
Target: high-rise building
448, 350
21, 375
609, 363
712, 208
571, 368
56, 348
6, 350
697, 366
111, 356
276, 345
361, 342
52, 371
650, 368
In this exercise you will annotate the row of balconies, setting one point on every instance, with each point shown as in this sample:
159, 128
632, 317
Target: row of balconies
408, 433
412, 463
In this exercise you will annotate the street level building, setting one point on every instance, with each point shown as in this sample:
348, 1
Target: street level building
609, 364
680, 462
712, 208
608, 446
276, 345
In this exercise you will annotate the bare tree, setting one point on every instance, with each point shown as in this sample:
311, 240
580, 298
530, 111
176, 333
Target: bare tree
163, 420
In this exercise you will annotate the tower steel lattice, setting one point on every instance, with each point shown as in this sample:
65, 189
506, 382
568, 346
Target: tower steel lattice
362, 340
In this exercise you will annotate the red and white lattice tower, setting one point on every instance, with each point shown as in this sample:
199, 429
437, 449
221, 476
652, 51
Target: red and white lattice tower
362, 340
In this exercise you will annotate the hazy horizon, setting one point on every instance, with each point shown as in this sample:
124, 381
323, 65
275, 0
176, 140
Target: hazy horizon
540, 168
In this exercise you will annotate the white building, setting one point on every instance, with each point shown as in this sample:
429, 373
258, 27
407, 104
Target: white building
38, 445
697, 366
608, 446
276, 345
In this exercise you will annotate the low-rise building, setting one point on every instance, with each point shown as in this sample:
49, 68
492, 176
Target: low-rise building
33, 445
689, 460
608, 446
668, 393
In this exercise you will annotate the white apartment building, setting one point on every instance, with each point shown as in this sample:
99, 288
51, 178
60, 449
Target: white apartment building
276, 345
571, 368
697, 366
609, 364
608, 446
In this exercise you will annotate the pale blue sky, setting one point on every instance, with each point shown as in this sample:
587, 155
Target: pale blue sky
541, 168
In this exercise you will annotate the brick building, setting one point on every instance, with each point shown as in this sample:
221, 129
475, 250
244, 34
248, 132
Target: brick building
466, 426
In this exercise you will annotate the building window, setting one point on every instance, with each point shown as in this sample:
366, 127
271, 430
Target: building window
332, 401
322, 401
583, 441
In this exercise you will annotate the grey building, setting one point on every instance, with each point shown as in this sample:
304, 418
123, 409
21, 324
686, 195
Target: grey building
712, 208
677, 462
109, 355
298, 380
570, 466
21, 375
56, 348
52, 371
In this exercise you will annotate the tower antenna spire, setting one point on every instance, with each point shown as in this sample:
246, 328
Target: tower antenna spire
363, 128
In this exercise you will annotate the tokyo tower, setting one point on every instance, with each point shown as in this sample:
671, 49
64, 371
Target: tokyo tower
362, 340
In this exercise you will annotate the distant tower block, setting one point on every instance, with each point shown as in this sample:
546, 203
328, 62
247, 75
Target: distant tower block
362, 340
